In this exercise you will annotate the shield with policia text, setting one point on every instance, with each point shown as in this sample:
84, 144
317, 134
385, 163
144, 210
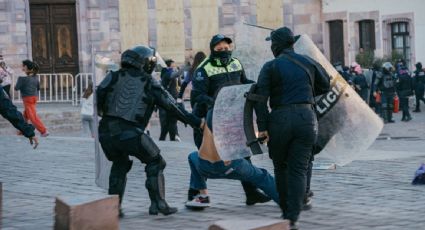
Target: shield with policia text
347, 126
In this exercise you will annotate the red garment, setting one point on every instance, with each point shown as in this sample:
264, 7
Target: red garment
30, 113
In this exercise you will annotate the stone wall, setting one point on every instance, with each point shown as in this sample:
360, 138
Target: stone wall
305, 17
15, 44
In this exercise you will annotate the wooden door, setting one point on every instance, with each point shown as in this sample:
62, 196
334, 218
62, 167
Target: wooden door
336, 41
54, 37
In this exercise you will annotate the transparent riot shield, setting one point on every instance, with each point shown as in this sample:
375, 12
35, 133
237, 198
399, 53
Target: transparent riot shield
228, 114
347, 126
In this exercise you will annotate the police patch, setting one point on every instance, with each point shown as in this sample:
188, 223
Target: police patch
199, 76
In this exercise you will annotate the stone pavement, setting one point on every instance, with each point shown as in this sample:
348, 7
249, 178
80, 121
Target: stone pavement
374, 192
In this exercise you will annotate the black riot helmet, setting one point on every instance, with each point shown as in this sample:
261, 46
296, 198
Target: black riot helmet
139, 57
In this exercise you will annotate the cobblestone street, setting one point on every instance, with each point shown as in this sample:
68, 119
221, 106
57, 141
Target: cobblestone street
371, 193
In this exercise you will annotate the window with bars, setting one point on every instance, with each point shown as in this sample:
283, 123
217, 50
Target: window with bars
400, 38
367, 34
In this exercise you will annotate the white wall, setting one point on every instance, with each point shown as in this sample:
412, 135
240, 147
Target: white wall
387, 7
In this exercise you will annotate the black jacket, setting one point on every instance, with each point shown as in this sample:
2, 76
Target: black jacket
287, 83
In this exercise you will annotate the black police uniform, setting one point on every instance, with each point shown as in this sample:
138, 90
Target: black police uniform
386, 83
292, 124
126, 100
404, 91
217, 71
419, 84
9, 111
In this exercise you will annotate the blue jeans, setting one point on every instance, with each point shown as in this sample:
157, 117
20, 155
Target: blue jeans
239, 169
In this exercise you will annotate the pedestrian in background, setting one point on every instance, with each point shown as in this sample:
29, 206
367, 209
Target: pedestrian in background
29, 87
419, 86
360, 83
404, 91
199, 57
87, 111
170, 79
6, 74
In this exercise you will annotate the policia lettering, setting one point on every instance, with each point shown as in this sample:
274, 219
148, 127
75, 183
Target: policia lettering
325, 102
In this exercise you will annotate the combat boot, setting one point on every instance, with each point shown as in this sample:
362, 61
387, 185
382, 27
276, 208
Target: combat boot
156, 189
253, 195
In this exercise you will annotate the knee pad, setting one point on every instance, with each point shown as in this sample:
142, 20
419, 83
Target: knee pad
154, 167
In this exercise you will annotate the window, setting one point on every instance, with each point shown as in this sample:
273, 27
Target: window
400, 38
367, 34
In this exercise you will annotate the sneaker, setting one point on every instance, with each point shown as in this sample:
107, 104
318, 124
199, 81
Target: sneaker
199, 202
45, 134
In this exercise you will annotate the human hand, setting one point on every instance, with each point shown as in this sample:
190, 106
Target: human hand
203, 123
263, 134
179, 100
33, 142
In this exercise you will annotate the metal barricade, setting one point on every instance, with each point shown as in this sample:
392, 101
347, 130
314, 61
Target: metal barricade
81, 83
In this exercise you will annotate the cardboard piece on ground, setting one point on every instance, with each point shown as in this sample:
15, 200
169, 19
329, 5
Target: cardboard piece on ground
85, 213
324, 166
260, 224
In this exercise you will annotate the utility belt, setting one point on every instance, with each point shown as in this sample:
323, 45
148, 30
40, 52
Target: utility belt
293, 106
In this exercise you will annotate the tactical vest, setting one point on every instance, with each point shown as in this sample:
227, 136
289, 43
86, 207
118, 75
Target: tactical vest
388, 81
126, 99
220, 75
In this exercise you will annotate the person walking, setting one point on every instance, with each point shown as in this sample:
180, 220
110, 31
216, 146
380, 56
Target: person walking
87, 111
290, 82
29, 87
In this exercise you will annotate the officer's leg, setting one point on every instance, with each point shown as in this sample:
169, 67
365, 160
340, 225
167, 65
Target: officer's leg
385, 108
253, 195
118, 178
172, 126
163, 123
280, 138
155, 184
418, 100
390, 107
298, 159
308, 194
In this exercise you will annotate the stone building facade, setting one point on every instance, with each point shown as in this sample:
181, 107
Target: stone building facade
176, 28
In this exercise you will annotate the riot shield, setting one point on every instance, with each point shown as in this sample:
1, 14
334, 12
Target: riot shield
347, 126
228, 129
102, 165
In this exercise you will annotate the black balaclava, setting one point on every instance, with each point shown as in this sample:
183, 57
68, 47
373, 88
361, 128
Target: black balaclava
282, 39
223, 56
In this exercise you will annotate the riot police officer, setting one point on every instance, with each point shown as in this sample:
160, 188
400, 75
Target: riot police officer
290, 81
126, 100
385, 83
218, 70
419, 86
